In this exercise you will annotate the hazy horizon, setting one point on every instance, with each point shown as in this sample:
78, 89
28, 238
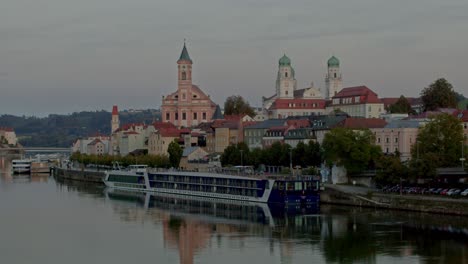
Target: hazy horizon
61, 57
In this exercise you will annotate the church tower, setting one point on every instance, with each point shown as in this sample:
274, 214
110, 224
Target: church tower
184, 65
115, 123
285, 81
333, 80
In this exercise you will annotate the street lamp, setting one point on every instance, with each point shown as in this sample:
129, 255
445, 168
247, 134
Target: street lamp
462, 159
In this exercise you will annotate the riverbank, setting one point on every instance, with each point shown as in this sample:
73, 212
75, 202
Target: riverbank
332, 194
367, 197
95, 177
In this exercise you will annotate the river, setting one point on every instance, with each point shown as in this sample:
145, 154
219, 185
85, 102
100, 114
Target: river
43, 220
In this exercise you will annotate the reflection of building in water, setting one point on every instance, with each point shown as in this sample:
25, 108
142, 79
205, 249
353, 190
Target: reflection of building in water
188, 236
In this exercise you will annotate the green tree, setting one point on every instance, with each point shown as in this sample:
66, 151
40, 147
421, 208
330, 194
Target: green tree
355, 150
390, 169
402, 106
232, 155
439, 142
439, 94
175, 153
236, 105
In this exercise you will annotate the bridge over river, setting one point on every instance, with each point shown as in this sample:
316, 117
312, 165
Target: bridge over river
34, 150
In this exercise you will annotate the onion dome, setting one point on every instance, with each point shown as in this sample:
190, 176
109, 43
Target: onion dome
333, 62
285, 61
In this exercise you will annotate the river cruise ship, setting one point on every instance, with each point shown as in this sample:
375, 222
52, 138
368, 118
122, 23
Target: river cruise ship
20, 166
251, 188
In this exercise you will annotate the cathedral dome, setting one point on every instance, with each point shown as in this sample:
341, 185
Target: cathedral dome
333, 62
284, 61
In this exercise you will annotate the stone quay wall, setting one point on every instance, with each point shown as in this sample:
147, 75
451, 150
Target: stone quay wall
78, 175
430, 204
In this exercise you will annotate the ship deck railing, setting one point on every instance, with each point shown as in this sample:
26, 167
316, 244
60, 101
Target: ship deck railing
236, 172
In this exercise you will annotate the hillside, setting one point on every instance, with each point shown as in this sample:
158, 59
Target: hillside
61, 130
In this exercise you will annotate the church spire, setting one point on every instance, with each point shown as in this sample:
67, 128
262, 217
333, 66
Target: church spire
184, 55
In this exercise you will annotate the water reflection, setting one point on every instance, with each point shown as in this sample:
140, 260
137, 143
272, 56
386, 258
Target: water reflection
342, 234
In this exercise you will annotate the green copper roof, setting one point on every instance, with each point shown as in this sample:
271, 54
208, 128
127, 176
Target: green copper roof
333, 62
184, 55
284, 61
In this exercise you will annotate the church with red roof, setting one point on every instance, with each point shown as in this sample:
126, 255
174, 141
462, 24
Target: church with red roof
189, 105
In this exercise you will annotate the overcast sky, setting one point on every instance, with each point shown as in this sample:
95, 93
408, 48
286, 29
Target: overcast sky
63, 56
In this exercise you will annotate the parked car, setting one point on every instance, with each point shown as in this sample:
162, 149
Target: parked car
444, 191
464, 193
453, 192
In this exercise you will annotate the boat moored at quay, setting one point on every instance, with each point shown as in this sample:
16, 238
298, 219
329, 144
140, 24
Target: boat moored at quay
225, 185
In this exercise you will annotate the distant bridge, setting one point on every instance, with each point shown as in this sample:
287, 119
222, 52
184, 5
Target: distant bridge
52, 150
42, 149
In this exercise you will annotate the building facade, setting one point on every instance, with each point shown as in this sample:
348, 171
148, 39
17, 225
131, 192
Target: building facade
189, 105
359, 101
9, 135
288, 100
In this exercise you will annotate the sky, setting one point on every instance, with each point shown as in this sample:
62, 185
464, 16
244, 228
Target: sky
65, 56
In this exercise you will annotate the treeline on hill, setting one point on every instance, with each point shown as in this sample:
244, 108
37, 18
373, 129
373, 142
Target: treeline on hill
61, 130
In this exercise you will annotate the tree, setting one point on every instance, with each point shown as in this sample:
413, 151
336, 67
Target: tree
402, 106
175, 153
236, 105
232, 155
439, 142
439, 94
390, 169
352, 149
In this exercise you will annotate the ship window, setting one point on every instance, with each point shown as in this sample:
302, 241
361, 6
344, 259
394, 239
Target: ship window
290, 186
281, 186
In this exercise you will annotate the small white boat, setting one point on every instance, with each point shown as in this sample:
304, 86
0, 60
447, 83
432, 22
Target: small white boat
21, 165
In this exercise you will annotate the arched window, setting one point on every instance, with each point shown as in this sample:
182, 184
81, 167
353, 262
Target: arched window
286, 74
335, 74
184, 76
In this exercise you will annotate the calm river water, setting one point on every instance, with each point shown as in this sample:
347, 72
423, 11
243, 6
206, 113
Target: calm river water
43, 220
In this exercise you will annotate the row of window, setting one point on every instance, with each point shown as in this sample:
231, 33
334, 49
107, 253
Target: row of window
290, 105
296, 186
387, 140
184, 116
125, 178
204, 188
204, 180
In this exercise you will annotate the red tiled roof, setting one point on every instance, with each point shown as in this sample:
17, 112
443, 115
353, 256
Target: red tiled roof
169, 132
462, 115
365, 94
159, 125
115, 111
7, 129
298, 123
357, 123
249, 123
222, 123
131, 133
